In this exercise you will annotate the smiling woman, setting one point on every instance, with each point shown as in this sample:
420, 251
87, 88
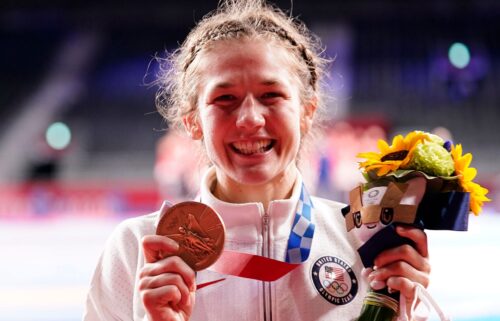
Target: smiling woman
254, 120
246, 83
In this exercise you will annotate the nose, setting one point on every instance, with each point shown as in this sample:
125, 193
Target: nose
250, 114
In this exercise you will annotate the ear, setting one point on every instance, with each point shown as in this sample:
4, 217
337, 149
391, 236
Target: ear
393, 195
354, 206
415, 191
407, 210
308, 111
192, 126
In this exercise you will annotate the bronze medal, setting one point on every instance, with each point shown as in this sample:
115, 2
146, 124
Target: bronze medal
198, 230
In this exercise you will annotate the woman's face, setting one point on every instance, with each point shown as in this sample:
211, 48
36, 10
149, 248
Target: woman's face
249, 115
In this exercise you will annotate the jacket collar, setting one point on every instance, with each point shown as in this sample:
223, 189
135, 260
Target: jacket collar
244, 221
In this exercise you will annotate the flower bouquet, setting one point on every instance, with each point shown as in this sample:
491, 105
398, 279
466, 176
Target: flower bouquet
420, 180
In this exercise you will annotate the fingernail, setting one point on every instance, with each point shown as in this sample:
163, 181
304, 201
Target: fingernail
377, 285
365, 272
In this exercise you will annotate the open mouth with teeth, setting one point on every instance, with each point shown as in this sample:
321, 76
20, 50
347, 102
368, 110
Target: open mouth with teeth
253, 147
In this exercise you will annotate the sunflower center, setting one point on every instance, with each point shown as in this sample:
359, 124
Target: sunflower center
399, 155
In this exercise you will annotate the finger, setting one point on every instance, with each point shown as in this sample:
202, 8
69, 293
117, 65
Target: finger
366, 271
166, 279
159, 298
157, 247
405, 286
406, 253
399, 269
172, 264
377, 285
418, 237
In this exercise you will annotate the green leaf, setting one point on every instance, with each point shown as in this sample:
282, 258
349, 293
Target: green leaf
402, 173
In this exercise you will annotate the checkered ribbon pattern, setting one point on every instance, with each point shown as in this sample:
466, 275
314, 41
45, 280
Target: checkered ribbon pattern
301, 235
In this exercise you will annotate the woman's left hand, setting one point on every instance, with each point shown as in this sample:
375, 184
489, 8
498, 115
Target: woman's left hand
398, 268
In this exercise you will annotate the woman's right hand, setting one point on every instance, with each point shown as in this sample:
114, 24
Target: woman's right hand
167, 284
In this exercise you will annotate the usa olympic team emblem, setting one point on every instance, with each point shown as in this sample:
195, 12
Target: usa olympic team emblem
335, 280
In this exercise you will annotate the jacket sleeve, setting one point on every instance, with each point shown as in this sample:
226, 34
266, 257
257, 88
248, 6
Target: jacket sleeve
111, 294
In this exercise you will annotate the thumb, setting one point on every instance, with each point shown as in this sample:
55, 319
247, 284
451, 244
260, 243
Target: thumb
158, 247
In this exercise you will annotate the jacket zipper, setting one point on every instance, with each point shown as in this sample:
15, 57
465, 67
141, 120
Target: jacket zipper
266, 286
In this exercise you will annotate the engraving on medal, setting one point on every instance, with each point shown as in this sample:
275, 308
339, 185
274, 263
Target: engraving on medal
197, 229
194, 238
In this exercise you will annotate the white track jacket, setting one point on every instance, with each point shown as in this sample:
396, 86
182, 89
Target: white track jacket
328, 286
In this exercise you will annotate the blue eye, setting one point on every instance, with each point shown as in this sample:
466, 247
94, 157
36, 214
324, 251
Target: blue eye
225, 98
269, 95
225, 101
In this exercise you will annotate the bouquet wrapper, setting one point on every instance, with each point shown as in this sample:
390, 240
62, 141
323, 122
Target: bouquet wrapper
408, 203
434, 211
419, 180
444, 211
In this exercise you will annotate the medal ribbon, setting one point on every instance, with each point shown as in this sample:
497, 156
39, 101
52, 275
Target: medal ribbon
301, 235
265, 269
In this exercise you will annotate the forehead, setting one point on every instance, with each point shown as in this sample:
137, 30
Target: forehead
264, 59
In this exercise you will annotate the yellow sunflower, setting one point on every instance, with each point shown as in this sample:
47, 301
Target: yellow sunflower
465, 175
392, 157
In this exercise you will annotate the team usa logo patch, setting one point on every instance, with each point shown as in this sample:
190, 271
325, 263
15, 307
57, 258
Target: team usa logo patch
334, 280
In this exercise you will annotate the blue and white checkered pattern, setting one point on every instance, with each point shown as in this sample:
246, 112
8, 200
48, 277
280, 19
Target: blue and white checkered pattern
301, 235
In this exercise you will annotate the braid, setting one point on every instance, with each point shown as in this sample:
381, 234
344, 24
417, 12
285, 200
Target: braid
236, 19
270, 26
234, 29
228, 29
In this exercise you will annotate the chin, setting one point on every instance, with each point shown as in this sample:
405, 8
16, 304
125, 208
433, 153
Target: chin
256, 176
253, 179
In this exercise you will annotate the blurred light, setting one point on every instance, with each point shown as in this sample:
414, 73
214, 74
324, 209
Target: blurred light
443, 132
58, 135
459, 55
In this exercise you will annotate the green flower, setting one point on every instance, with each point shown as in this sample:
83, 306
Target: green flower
433, 159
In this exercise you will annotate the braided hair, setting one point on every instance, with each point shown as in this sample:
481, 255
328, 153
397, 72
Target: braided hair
237, 19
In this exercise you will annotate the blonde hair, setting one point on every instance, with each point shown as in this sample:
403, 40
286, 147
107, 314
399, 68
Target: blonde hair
237, 19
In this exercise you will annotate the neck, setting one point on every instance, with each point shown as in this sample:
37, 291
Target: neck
280, 187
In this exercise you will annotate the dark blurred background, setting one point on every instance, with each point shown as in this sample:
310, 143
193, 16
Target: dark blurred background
80, 136
88, 64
